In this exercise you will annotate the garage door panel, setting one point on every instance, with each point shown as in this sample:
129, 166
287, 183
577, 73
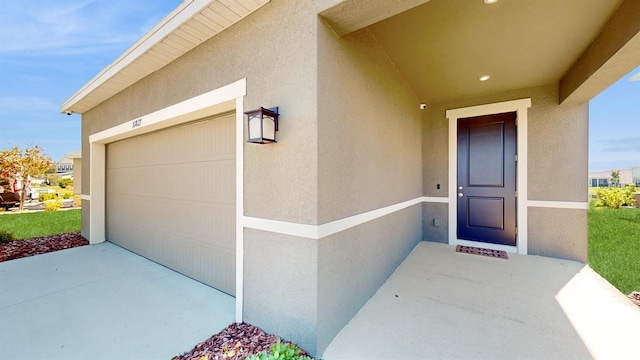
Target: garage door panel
171, 198
167, 148
207, 181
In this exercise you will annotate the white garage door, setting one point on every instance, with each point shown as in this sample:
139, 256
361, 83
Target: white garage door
171, 198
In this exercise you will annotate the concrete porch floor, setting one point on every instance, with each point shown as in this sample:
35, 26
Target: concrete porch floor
440, 304
103, 302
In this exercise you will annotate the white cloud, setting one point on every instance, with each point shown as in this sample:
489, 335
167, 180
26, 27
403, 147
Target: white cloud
635, 77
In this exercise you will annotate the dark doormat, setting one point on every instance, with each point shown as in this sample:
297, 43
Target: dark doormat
481, 251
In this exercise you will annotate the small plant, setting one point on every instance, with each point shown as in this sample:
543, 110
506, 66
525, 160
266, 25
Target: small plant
6, 237
66, 195
64, 183
52, 205
281, 351
233, 353
47, 196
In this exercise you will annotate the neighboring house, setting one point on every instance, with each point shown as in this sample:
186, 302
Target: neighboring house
604, 179
635, 175
76, 157
65, 165
304, 231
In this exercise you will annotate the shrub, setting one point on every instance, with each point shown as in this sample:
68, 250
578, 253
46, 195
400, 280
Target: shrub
66, 195
64, 183
281, 351
614, 198
6, 237
46, 196
52, 205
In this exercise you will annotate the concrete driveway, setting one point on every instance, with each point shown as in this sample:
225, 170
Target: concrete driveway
440, 304
103, 302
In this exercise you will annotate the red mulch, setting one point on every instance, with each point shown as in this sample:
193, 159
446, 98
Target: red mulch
29, 247
235, 342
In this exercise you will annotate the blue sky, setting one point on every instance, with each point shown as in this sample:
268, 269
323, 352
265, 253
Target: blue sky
51, 48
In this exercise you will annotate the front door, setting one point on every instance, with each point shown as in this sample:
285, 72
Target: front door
487, 179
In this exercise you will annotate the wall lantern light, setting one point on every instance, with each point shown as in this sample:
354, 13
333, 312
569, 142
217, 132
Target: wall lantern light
262, 125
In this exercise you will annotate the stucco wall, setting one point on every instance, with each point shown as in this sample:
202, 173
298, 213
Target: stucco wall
557, 159
281, 285
85, 219
353, 264
432, 213
369, 157
369, 142
559, 233
274, 49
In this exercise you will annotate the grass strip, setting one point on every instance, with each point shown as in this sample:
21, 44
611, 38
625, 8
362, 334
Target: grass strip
614, 246
28, 225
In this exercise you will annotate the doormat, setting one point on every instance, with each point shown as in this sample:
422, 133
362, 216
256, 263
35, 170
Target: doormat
481, 251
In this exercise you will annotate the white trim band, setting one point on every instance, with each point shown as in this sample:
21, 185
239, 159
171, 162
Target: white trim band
85, 197
430, 199
320, 231
559, 204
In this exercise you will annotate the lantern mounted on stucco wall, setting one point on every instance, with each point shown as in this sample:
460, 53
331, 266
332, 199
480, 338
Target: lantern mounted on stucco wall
262, 125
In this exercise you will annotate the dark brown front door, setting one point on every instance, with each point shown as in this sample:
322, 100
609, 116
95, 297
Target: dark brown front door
487, 178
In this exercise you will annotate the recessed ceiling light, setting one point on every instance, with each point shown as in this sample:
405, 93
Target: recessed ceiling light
490, 1
484, 78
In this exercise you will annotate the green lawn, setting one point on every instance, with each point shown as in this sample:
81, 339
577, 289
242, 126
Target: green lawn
614, 246
28, 225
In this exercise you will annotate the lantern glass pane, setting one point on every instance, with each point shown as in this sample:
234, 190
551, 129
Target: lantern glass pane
254, 127
269, 128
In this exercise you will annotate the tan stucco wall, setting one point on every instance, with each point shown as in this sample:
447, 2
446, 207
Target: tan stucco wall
85, 219
433, 213
559, 233
281, 285
369, 142
557, 159
369, 157
353, 264
274, 49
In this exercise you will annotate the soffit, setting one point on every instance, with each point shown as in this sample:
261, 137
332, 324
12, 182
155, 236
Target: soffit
443, 47
189, 25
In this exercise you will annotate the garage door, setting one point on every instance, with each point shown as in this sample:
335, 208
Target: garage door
171, 198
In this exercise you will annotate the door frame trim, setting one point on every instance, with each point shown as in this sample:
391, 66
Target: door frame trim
521, 107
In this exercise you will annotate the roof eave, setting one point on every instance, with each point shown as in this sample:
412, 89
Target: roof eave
95, 91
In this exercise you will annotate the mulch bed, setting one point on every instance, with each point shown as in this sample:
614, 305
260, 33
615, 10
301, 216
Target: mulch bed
40, 245
235, 342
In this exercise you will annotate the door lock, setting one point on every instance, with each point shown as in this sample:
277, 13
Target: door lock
460, 195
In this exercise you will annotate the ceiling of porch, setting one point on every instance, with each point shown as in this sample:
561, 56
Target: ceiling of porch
443, 47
